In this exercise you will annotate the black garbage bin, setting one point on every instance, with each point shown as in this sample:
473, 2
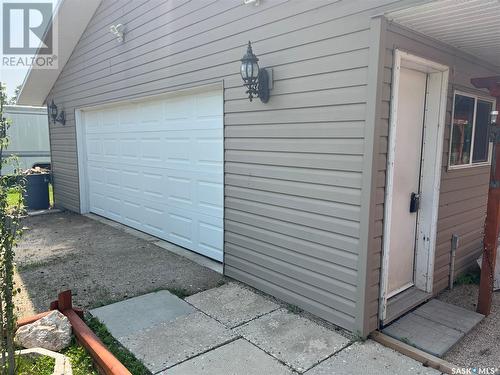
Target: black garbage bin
36, 196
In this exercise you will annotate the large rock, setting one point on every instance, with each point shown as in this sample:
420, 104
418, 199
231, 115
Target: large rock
52, 332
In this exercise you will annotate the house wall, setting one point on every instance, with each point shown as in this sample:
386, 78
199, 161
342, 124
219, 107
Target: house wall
463, 192
298, 170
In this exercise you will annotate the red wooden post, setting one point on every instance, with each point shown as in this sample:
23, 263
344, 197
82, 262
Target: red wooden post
492, 224
65, 301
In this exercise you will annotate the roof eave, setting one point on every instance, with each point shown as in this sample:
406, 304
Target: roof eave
71, 19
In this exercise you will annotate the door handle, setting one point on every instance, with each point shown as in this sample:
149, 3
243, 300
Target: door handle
414, 202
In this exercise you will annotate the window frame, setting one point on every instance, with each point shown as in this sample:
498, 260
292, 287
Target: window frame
476, 97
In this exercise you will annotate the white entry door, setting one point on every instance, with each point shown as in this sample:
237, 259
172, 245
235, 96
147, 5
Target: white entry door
157, 165
407, 164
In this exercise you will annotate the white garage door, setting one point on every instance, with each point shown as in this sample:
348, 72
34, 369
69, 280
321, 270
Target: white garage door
157, 166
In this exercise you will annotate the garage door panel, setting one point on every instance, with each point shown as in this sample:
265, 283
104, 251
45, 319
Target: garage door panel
210, 235
128, 151
210, 197
157, 166
180, 191
94, 147
95, 174
127, 115
179, 151
209, 152
153, 185
132, 213
208, 105
180, 108
111, 148
154, 221
114, 206
97, 202
151, 111
181, 228
131, 181
152, 149
193, 166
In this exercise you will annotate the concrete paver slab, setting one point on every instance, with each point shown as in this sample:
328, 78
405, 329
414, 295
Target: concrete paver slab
481, 346
370, 358
297, 341
132, 315
238, 357
424, 334
232, 304
451, 316
166, 344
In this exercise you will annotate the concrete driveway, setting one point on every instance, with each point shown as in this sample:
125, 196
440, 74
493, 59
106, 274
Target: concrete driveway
100, 263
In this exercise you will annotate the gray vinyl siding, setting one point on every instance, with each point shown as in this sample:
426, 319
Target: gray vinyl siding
463, 192
295, 168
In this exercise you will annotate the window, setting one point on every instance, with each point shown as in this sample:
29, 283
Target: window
469, 131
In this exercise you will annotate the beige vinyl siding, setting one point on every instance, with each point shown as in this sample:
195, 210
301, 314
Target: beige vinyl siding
294, 182
463, 193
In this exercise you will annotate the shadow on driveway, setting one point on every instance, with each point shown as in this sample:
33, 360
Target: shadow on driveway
99, 263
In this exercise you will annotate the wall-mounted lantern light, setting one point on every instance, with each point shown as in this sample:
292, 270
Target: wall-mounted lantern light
55, 115
493, 129
61, 119
255, 79
52, 110
494, 117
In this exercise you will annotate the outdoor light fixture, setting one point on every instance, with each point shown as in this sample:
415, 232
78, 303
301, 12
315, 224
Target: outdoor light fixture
61, 118
254, 2
52, 110
493, 128
55, 115
255, 79
494, 117
118, 31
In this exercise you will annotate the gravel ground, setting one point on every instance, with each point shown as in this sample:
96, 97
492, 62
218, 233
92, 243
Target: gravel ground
99, 263
481, 346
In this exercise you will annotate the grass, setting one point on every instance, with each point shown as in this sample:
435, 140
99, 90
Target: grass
469, 278
293, 309
119, 351
407, 341
13, 197
81, 361
179, 292
38, 264
34, 364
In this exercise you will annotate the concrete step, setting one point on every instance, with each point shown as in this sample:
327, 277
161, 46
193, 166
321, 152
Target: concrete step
434, 327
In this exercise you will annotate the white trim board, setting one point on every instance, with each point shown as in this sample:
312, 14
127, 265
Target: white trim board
434, 125
81, 148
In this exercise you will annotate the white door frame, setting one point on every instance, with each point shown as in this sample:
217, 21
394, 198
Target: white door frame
433, 138
81, 148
